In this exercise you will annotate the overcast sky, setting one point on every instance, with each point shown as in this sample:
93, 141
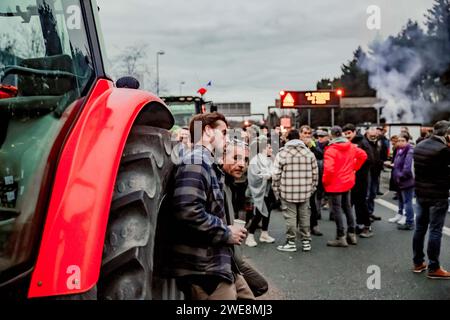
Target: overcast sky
249, 49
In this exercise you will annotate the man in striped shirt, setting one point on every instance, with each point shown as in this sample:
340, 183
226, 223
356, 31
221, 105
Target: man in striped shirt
202, 257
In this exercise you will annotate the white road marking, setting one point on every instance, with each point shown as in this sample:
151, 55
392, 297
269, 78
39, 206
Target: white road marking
387, 204
394, 208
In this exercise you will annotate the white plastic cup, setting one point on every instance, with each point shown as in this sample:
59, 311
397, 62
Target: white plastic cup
240, 223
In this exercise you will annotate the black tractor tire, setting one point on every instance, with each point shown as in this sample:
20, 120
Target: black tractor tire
143, 182
141, 185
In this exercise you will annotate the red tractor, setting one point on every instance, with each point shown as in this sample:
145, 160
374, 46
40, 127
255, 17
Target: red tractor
84, 166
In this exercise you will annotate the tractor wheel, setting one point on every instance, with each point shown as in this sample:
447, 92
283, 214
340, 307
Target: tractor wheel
141, 185
129, 251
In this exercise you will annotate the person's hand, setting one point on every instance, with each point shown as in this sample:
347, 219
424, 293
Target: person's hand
266, 176
238, 234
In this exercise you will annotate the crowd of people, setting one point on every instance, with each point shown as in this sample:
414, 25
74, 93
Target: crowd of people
298, 172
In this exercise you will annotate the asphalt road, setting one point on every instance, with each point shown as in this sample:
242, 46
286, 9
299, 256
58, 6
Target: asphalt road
342, 273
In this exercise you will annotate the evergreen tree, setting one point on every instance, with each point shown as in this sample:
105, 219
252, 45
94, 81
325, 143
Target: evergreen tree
324, 84
438, 20
327, 84
354, 80
438, 29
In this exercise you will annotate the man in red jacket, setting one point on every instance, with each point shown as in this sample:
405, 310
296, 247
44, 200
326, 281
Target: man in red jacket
341, 160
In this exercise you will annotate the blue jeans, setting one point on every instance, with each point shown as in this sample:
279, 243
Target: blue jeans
405, 198
430, 215
374, 182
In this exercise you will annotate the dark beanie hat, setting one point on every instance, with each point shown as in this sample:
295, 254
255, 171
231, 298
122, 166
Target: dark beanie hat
336, 131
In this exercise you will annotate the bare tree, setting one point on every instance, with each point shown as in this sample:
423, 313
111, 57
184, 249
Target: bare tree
163, 88
34, 45
29, 45
132, 61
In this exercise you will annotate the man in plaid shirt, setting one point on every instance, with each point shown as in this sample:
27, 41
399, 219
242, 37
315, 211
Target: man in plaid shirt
294, 180
202, 257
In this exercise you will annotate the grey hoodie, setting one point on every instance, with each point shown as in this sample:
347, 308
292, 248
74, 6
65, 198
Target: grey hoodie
295, 143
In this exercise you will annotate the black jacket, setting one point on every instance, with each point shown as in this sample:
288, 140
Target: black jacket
318, 152
362, 143
376, 150
254, 279
384, 148
432, 169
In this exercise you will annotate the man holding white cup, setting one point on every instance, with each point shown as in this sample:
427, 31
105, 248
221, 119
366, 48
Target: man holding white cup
235, 163
202, 250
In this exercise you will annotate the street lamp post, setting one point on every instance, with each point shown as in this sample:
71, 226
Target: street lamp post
159, 53
181, 85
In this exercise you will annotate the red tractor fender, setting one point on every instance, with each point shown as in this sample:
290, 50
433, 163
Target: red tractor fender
70, 252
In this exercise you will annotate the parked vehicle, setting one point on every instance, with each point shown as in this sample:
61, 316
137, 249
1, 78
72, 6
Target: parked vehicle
84, 166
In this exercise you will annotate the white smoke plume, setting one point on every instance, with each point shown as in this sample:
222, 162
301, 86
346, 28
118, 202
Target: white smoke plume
405, 72
393, 84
